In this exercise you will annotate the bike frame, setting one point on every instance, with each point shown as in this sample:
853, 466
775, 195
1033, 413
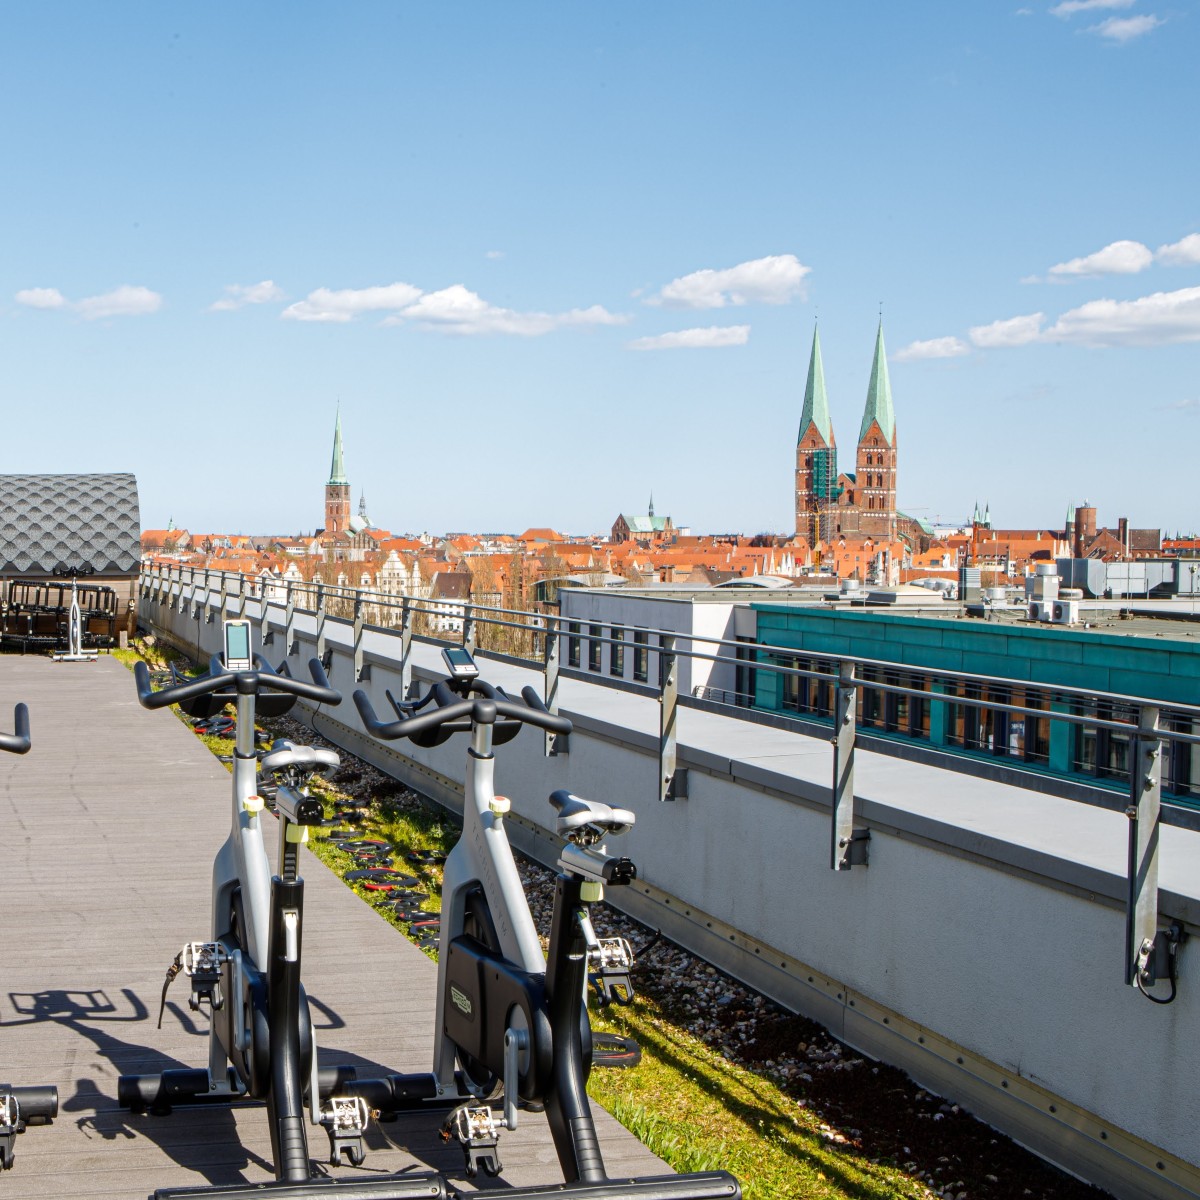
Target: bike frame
482, 857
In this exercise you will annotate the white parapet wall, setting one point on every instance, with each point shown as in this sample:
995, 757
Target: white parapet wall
981, 950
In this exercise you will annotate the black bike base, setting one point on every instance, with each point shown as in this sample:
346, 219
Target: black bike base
158, 1094
707, 1185
397, 1187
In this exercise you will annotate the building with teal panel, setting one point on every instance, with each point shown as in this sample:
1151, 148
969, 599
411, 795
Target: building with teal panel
1147, 658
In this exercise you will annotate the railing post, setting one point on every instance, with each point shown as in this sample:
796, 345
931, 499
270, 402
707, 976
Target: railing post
468, 629
362, 670
224, 600
241, 606
1142, 938
289, 616
406, 632
672, 781
265, 636
556, 743
848, 844
321, 607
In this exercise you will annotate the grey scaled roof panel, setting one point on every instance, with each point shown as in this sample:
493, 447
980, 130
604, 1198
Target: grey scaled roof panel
58, 524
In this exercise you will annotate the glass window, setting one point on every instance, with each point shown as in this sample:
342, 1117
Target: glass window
572, 643
616, 651
595, 633
641, 656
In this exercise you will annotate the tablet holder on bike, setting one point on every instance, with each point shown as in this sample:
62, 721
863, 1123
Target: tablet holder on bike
21, 1106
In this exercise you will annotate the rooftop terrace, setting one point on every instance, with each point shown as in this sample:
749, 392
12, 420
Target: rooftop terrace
111, 822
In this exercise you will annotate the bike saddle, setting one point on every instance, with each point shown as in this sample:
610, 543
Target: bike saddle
574, 812
307, 760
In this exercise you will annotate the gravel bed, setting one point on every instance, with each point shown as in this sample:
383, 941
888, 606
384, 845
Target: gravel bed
874, 1108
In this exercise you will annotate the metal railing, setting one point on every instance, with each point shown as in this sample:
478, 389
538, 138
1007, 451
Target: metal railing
205, 593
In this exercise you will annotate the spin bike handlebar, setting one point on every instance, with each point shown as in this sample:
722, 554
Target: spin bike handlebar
18, 742
241, 682
461, 714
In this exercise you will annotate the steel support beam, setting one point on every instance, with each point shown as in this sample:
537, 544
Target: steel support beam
848, 843
289, 618
406, 632
1145, 802
556, 743
672, 780
322, 610
362, 670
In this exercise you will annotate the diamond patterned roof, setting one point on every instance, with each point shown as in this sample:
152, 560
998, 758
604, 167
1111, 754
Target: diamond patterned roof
57, 524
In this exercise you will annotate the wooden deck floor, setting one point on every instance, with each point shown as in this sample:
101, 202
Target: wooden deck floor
107, 832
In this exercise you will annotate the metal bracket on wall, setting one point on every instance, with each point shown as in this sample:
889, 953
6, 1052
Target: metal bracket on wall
672, 782
362, 670
289, 615
322, 611
556, 743
1142, 935
848, 842
406, 632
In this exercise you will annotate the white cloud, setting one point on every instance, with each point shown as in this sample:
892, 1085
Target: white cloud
1117, 258
458, 310
125, 301
494, 254
775, 279
943, 347
1183, 253
1015, 331
695, 339
39, 297
1125, 29
238, 295
1068, 8
344, 305
1161, 319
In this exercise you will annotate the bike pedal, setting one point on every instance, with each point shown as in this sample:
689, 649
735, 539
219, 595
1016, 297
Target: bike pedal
476, 1131
611, 960
345, 1119
10, 1125
202, 962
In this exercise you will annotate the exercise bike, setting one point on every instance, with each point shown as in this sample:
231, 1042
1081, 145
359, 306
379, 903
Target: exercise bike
246, 976
21, 1106
506, 1019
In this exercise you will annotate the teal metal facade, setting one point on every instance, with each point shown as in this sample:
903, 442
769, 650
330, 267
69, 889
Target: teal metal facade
1153, 668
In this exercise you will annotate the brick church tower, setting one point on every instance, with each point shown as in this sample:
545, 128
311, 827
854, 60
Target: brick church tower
816, 456
337, 490
875, 476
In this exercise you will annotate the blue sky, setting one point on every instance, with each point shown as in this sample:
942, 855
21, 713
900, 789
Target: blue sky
550, 257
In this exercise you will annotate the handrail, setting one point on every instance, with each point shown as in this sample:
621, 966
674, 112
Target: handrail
1146, 950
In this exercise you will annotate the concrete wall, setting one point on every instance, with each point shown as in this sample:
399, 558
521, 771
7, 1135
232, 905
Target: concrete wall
988, 969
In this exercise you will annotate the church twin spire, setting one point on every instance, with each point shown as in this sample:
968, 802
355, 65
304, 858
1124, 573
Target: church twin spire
879, 396
862, 504
816, 403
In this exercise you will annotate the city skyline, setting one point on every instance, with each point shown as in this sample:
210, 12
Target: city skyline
574, 256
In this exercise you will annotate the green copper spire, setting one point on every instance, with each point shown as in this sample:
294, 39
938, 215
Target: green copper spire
337, 472
879, 396
816, 403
